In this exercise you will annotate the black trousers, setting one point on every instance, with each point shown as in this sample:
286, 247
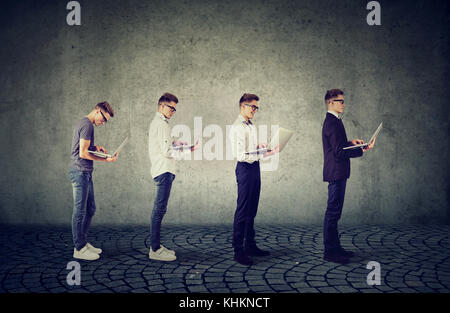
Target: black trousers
248, 178
336, 195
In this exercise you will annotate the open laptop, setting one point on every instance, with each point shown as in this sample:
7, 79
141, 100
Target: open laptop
105, 155
367, 143
281, 137
182, 147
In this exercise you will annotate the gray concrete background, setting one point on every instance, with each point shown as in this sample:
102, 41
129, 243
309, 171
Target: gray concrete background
208, 53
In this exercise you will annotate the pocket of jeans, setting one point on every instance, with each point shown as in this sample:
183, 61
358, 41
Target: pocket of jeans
77, 178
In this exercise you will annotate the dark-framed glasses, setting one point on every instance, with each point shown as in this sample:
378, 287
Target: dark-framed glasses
104, 118
254, 107
171, 108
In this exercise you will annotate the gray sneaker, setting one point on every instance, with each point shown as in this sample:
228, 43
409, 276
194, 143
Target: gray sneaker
168, 250
161, 255
85, 254
94, 249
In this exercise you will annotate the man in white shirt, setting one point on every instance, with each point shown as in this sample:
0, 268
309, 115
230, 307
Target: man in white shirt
244, 138
162, 156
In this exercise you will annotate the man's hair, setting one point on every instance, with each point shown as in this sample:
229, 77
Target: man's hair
332, 93
167, 97
248, 97
105, 106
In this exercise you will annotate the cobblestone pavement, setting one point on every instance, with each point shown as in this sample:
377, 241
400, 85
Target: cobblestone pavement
412, 258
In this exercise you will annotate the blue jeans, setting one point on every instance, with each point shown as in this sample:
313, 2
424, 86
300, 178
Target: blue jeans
83, 206
336, 195
163, 185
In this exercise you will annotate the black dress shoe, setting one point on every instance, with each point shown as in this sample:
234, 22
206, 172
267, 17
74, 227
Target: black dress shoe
348, 254
243, 259
335, 257
255, 251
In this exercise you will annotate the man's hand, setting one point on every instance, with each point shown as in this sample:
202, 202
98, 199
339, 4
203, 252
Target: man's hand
357, 142
113, 159
100, 149
370, 146
197, 144
272, 152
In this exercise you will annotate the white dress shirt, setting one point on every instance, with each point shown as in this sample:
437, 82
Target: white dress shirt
160, 146
244, 138
334, 113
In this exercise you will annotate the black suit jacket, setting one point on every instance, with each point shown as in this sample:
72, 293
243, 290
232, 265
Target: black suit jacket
336, 165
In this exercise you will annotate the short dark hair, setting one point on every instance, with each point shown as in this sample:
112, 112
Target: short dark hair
332, 93
247, 97
167, 97
105, 106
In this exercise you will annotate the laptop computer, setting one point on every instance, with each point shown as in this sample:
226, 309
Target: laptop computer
375, 134
182, 147
282, 137
105, 155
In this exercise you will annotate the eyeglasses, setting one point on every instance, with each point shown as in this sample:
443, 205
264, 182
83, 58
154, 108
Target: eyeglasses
254, 107
104, 118
171, 108
339, 100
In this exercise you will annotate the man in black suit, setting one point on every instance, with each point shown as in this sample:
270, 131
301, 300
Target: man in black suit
336, 171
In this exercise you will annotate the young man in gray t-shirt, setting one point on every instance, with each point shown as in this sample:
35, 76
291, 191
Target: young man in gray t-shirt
80, 173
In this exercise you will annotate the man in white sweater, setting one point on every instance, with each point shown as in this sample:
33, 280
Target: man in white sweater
162, 156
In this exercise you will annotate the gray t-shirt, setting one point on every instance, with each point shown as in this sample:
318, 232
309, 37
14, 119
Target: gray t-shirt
84, 130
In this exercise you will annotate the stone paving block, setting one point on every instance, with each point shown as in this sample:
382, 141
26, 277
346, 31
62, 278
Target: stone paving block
237, 285
265, 289
327, 290
280, 287
234, 279
307, 290
178, 290
213, 278
369, 290
156, 288
240, 290
174, 285
137, 285
139, 290
346, 289
155, 282
95, 288
318, 283
256, 282
197, 288
216, 285
220, 290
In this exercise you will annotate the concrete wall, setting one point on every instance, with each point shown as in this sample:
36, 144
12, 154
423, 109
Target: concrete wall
208, 53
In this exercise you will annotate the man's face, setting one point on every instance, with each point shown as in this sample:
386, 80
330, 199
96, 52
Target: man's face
101, 117
249, 109
168, 109
337, 104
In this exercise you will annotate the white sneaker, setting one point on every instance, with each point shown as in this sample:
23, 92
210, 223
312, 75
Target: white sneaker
85, 254
161, 255
168, 250
94, 249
